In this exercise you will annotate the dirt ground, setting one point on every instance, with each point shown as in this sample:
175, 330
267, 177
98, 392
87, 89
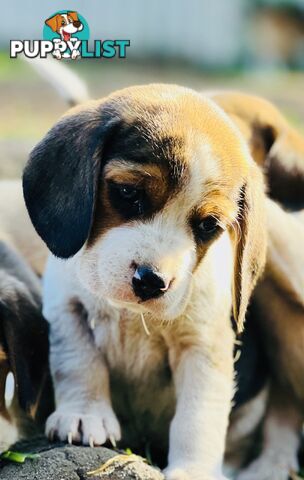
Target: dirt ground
29, 106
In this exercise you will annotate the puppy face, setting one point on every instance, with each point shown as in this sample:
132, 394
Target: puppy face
65, 24
156, 177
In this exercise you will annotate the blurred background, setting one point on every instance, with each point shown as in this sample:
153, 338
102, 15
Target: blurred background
251, 45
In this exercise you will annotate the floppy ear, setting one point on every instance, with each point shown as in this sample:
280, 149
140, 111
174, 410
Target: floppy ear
250, 244
60, 180
52, 22
74, 16
274, 143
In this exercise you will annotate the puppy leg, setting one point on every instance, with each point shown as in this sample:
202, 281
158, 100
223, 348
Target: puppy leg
75, 54
281, 441
204, 388
244, 424
57, 54
83, 406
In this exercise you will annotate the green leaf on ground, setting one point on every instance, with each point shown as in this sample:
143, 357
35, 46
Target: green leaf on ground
17, 457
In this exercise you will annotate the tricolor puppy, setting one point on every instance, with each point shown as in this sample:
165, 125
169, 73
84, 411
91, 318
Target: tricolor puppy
65, 24
152, 199
277, 311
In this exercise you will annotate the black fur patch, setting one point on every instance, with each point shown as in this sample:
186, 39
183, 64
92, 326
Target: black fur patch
287, 187
24, 332
138, 143
59, 181
251, 368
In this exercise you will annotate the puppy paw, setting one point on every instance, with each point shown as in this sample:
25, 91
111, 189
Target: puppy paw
189, 474
88, 429
176, 474
57, 54
269, 468
75, 54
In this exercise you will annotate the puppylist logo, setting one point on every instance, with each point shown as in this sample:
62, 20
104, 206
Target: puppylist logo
66, 35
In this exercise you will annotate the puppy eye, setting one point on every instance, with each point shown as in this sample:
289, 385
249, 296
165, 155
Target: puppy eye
129, 200
63, 22
207, 228
129, 192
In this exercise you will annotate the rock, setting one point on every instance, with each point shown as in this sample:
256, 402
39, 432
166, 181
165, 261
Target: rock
58, 461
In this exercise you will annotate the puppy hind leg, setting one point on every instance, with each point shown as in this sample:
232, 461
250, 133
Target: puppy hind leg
244, 432
281, 441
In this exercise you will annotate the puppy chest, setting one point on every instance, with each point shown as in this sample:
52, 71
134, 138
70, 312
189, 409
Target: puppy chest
128, 348
141, 384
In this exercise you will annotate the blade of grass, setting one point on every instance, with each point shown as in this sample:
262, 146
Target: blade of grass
18, 457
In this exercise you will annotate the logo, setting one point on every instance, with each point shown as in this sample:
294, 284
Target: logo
66, 30
66, 35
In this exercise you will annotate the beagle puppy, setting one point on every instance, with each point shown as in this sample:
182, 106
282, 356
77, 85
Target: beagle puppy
66, 25
279, 312
23, 348
278, 301
154, 211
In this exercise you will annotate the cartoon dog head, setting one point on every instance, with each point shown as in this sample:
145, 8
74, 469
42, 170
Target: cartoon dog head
65, 24
147, 187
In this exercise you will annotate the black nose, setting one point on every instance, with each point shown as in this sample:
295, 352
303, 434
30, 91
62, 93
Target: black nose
147, 283
77, 23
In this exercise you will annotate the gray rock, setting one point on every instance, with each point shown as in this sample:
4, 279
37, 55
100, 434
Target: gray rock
59, 461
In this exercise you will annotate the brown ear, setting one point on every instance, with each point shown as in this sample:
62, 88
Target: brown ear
250, 244
274, 144
74, 16
53, 22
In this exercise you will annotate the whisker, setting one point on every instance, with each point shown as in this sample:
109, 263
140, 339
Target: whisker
143, 321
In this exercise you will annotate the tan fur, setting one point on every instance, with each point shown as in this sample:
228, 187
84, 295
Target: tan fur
54, 22
251, 113
58, 20
73, 15
275, 144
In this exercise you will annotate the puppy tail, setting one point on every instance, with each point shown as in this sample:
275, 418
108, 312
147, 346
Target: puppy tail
274, 144
67, 84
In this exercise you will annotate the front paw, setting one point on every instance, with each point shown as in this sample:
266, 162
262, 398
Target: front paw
88, 429
75, 54
57, 54
190, 473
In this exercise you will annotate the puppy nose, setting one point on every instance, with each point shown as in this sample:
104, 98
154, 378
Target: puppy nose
77, 23
147, 283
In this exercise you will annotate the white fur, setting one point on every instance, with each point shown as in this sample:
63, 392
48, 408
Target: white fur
202, 373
